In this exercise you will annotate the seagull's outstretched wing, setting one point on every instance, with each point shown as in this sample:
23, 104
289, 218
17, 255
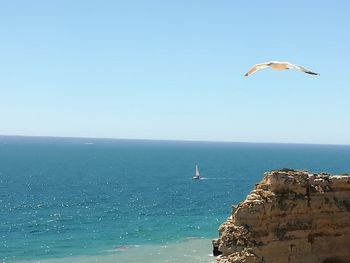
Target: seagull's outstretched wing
255, 68
305, 70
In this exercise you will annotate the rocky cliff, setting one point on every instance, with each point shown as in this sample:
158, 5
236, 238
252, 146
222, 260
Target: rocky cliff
289, 217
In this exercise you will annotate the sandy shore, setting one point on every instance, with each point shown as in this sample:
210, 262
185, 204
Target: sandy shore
186, 251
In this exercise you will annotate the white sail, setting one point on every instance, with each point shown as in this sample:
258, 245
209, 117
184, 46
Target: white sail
197, 172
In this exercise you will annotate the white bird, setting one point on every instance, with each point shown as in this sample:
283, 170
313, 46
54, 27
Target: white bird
277, 65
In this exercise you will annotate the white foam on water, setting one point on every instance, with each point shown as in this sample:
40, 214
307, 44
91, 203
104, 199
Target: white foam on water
185, 251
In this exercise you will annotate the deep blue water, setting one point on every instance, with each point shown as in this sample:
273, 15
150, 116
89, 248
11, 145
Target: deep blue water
61, 197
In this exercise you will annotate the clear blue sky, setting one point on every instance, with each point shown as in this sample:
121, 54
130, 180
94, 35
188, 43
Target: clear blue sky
160, 69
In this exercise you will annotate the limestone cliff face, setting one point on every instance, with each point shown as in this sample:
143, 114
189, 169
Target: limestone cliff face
289, 217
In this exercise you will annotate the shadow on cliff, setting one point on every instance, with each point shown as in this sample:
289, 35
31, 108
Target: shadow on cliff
336, 260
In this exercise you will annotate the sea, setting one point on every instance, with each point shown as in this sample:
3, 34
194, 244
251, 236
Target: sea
105, 200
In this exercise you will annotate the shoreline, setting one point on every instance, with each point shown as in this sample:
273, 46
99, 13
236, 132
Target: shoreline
186, 250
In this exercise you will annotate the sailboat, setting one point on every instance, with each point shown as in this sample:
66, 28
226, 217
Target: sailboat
197, 174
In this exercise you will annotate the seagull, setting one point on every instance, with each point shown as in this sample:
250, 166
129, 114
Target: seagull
277, 65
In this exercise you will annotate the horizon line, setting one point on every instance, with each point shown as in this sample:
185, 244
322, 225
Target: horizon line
168, 140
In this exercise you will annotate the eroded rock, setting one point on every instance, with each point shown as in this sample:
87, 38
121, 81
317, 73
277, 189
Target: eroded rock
289, 217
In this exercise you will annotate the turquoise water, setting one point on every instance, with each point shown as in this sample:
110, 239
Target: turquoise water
63, 198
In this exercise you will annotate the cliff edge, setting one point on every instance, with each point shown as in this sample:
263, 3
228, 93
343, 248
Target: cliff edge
289, 217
